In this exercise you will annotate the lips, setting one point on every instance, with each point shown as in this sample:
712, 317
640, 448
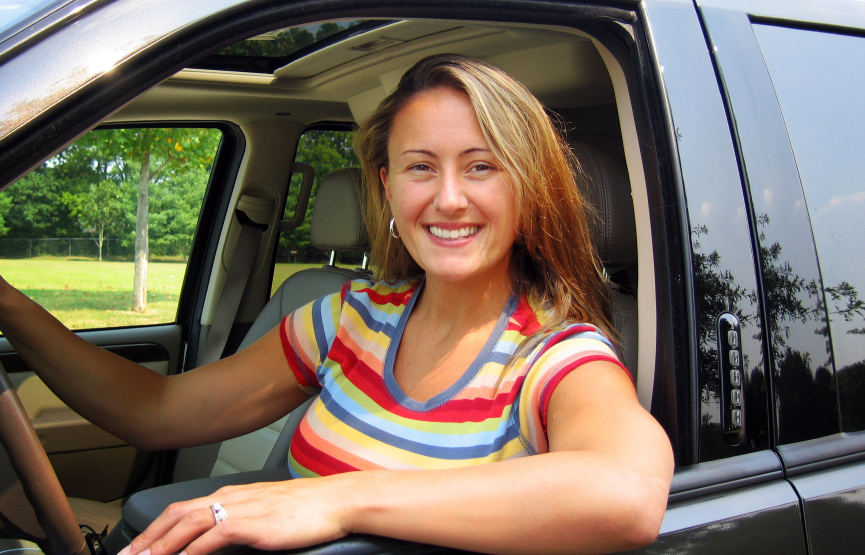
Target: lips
458, 233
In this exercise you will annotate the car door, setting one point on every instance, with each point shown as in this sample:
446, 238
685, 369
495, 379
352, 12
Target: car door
729, 494
71, 235
794, 91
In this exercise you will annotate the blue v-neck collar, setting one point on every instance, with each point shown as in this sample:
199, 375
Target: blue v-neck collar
424, 406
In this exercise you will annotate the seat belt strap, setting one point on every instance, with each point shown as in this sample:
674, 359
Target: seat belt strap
235, 284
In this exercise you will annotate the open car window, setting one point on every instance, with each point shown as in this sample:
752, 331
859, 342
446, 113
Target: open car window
100, 234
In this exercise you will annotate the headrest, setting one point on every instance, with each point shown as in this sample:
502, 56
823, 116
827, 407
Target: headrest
607, 188
337, 222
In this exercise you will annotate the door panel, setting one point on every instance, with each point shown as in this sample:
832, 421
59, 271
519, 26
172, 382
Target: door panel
761, 519
834, 502
90, 462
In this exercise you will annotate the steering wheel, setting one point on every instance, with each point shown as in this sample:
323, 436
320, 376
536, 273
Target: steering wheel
40, 483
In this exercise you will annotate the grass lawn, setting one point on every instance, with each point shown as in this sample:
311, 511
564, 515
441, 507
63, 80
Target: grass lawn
90, 294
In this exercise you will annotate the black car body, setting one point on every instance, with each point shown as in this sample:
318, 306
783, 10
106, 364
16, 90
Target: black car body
742, 127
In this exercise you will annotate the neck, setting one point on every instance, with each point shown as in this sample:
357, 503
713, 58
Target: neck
462, 305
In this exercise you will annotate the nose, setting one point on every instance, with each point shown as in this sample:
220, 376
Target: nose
450, 197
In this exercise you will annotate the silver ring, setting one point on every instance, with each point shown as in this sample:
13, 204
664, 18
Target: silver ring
392, 232
219, 513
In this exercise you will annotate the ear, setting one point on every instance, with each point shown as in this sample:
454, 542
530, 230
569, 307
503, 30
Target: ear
382, 173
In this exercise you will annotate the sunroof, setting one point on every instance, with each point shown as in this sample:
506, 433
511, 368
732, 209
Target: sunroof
275, 49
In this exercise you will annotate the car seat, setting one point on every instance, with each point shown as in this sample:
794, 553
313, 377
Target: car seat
607, 189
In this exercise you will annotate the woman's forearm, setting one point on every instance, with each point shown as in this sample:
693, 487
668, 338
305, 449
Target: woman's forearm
116, 394
564, 502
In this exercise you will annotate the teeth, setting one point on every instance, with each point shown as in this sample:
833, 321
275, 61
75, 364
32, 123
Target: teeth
453, 233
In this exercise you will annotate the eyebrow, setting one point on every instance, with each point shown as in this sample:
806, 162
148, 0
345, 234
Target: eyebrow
430, 153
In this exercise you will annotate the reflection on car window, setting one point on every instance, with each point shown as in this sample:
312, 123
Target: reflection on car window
326, 151
15, 12
100, 234
819, 78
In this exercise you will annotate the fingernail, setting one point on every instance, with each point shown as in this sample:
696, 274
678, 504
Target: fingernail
181, 553
145, 552
125, 550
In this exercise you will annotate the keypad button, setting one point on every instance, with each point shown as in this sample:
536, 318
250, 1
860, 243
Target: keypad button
735, 378
733, 339
736, 418
736, 397
734, 359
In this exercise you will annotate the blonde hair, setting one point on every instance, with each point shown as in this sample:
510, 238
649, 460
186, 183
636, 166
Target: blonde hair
553, 261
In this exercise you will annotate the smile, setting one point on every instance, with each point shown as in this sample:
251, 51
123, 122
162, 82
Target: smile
453, 233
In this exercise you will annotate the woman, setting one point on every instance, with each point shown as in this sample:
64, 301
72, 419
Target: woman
485, 342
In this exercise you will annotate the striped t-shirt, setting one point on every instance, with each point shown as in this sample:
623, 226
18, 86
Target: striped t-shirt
343, 347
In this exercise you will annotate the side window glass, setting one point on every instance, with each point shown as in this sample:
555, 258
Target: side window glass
326, 151
819, 78
100, 234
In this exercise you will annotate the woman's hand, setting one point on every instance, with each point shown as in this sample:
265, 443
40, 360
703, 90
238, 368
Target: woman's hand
268, 515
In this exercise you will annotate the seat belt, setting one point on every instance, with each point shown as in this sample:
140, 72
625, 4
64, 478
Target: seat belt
232, 291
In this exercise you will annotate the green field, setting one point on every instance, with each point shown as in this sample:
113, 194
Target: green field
90, 294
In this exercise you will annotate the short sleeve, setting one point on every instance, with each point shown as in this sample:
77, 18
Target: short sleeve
307, 335
554, 359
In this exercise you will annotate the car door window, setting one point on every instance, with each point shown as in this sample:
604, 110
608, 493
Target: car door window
326, 150
100, 233
819, 78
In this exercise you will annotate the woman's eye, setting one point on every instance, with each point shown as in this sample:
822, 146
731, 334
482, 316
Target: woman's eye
419, 167
482, 168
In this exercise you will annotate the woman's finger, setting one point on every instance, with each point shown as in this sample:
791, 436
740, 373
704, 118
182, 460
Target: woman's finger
153, 537
193, 525
232, 531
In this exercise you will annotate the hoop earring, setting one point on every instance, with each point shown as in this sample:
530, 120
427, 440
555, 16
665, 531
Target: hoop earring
392, 231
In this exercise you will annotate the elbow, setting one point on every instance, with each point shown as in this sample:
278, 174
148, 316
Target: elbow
642, 518
150, 440
643, 529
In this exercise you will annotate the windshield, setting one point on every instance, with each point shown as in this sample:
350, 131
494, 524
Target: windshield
17, 14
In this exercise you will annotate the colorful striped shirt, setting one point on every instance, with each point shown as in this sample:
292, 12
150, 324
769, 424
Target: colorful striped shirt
342, 347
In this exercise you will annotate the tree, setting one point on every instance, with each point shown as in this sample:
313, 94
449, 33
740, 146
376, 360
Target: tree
34, 210
176, 205
155, 153
5, 206
99, 209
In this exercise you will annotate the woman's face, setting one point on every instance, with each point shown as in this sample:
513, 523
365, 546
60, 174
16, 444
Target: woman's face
454, 207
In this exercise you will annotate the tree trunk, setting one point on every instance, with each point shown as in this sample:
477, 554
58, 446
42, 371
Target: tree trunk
101, 239
139, 286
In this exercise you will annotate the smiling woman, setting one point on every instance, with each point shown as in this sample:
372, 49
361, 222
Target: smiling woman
471, 350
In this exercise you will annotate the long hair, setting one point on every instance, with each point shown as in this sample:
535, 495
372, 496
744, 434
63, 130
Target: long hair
553, 260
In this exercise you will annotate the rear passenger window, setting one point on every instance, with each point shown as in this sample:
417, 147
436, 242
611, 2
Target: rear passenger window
819, 79
326, 150
100, 234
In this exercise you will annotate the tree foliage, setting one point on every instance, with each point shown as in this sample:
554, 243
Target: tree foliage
99, 209
284, 42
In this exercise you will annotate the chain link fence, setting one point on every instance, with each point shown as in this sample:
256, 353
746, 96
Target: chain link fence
68, 247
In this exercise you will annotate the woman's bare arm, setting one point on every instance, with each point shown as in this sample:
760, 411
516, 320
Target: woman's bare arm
603, 488
232, 396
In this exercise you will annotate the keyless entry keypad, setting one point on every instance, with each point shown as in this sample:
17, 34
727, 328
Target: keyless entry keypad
732, 376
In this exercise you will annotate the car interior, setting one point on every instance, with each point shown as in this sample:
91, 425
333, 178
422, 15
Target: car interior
340, 81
